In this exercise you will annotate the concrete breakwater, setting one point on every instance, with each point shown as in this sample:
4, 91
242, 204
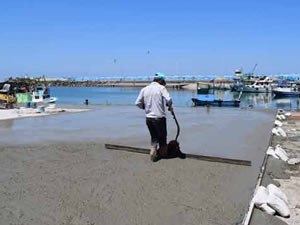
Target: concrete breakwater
112, 83
175, 84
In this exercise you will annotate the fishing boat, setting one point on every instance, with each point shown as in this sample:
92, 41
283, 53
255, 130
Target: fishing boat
41, 94
216, 102
258, 85
211, 100
286, 92
250, 83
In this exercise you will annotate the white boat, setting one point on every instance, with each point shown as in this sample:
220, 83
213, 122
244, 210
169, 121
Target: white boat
262, 85
286, 92
41, 94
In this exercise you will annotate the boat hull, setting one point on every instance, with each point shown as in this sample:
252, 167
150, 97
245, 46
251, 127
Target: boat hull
279, 94
217, 103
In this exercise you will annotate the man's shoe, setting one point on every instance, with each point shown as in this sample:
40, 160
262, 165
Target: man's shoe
153, 155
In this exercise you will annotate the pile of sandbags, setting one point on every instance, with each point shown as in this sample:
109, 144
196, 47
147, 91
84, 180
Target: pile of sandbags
271, 200
277, 130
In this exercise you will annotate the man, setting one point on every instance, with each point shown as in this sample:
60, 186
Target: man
152, 99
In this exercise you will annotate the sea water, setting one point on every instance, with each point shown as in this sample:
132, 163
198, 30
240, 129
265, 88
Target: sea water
128, 95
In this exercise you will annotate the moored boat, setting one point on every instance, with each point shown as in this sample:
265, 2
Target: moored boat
250, 83
212, 100
262, 85
216, 102
41, 94
286, 92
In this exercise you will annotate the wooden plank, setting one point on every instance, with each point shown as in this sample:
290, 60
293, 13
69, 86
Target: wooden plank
191, 156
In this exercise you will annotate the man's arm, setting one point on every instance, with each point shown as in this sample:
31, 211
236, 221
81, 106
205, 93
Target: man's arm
140, 100
167, 96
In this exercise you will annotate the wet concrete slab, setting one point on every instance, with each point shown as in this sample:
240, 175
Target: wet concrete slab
218, 131
223, 132
186, 191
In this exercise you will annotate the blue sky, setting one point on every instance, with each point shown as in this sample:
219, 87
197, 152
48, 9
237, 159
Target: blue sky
94, 38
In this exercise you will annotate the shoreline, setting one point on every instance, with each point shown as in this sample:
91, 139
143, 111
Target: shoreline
22, 112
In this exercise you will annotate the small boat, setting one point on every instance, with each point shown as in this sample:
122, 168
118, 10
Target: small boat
210, 100
41, 94
50, 100
216, 102
286, 92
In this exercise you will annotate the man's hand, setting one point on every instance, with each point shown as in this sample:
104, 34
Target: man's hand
170, 108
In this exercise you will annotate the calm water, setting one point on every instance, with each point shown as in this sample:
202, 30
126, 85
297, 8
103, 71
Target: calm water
111, 95
127, 96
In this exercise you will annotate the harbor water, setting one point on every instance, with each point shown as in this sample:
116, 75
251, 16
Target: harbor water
127, 96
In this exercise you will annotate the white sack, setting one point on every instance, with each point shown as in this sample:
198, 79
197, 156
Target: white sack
265, 208
271, 152
278, 123
275, 131
293, 161
278, 146
281, 131
278, 205
261, 196
287, 114
273, 190
281, 153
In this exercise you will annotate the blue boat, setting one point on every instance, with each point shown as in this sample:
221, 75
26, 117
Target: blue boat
216, 102
209, 100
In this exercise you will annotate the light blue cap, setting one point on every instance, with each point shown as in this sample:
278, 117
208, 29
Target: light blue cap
160, 76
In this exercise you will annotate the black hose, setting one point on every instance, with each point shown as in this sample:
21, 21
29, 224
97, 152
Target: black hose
177, 124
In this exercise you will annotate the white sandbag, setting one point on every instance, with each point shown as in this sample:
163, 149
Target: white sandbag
281, 149
281, 153
283, 117
275, 131
271, 152
278, 123
278, 131
273, 190
288, 114
281, 131
278, 117
294, 161
265, 208
261, 196
278, 205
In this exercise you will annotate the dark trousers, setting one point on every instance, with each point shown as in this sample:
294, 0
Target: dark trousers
158, 131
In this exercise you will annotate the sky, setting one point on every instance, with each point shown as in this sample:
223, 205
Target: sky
136, 37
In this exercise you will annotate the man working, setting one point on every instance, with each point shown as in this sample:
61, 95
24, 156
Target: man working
151, 99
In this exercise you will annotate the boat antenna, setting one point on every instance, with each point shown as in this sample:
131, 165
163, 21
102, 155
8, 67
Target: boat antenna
252, 72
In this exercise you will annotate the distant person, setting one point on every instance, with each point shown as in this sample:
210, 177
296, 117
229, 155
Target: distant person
152, 99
